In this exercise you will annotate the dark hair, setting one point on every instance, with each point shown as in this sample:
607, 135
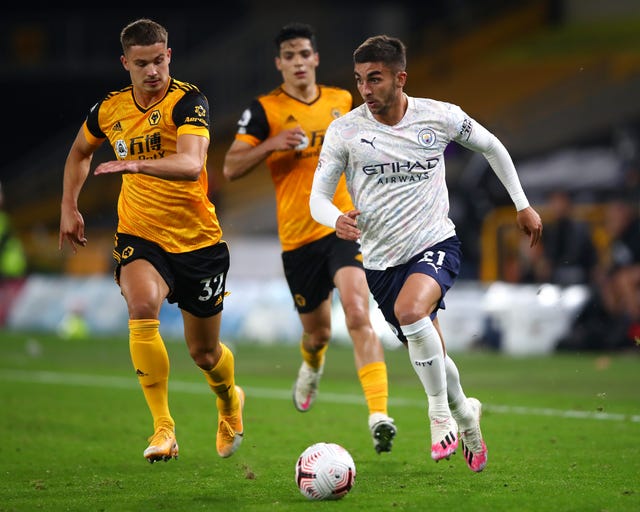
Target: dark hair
143, 32
389, 50
294, 31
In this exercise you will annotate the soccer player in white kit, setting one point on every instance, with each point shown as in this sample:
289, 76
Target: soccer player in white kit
391, 150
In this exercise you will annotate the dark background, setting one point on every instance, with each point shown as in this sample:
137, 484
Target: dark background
545, 76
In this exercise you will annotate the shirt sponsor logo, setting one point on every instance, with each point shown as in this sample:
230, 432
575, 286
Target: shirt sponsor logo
417, 167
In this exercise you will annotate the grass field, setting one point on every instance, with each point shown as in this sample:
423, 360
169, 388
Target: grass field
562, 433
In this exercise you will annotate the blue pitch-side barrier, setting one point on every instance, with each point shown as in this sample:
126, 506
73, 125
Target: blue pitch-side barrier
520, 319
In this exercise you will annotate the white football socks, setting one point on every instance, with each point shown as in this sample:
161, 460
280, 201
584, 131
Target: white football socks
427, 358
460, 409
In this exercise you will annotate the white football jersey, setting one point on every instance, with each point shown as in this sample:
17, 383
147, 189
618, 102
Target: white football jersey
396, 175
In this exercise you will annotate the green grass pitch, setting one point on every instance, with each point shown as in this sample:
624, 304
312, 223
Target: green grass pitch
562, 433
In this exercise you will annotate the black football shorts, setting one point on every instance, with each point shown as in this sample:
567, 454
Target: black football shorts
309, 269
196, 279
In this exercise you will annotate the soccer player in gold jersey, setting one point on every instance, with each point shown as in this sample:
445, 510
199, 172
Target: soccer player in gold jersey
168, 243
285, 128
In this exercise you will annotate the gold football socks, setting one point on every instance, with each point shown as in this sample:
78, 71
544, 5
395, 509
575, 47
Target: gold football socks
373, 378
151, 362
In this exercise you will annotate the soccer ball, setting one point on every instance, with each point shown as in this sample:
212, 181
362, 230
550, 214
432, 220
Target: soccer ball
325, 471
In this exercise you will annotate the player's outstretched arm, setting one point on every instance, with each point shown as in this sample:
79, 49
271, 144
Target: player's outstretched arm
500, 161
185, 164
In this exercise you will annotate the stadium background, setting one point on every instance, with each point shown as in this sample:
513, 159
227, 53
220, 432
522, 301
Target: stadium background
557, 81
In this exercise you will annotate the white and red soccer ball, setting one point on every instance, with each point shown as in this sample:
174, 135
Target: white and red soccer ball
325, 471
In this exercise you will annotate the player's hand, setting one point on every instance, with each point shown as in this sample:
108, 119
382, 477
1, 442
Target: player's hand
291, 138
531, 224
114, 166
347, 225
72, 230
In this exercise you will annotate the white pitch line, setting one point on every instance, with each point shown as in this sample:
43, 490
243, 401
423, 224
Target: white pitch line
75, 379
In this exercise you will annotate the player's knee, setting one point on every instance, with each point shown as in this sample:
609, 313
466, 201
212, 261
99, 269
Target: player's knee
142, 309
204, 359
356, 316
356, 312
408, 315
318, 338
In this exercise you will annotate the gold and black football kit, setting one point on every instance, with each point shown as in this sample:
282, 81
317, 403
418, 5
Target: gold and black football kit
157, 216
177, 215
311, 252
292, 171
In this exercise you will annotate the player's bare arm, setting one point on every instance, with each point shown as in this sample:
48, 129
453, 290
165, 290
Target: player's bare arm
242, 157
530, 223
347, 225
76, 170
185, 165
